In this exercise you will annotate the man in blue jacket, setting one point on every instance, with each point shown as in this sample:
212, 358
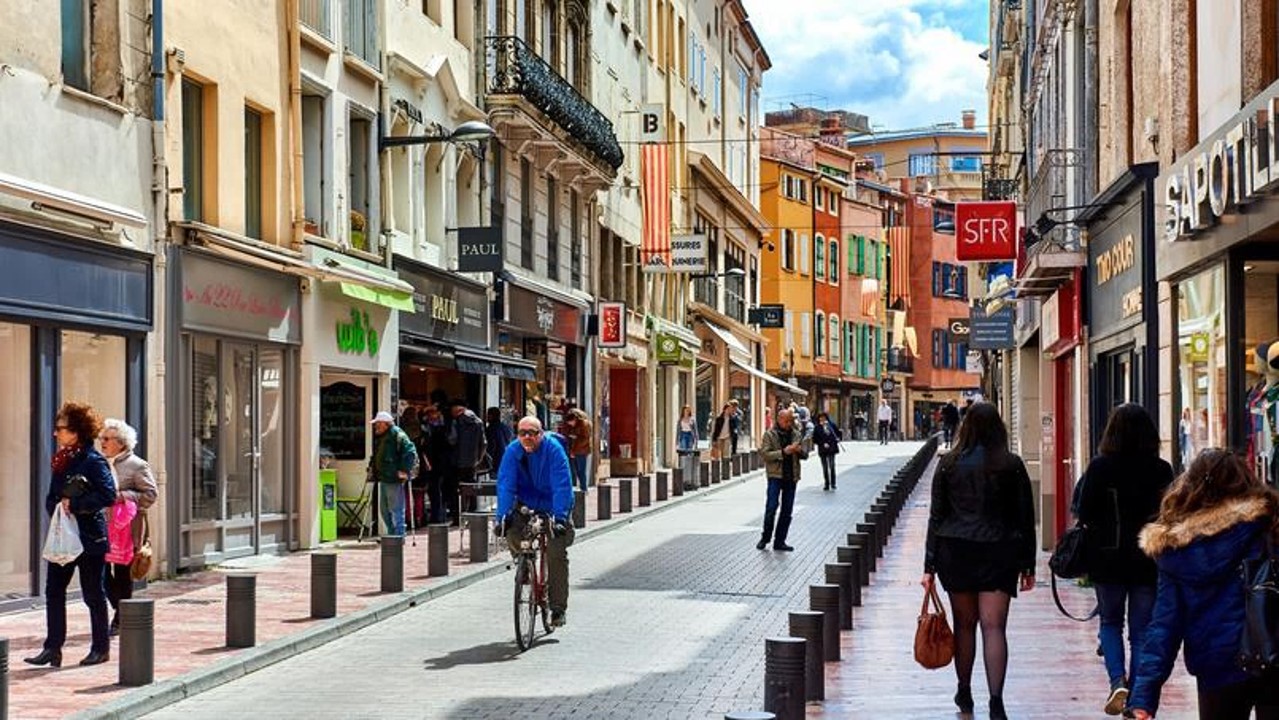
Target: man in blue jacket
535, 473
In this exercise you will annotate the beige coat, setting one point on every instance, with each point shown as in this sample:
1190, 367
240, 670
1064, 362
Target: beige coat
134, 481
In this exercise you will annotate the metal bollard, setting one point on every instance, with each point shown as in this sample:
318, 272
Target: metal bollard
4, 678
477, 530
808, 624
603, 501
872, 541
625, 492
704, 477
738, 465
861, 539
663, 485
644, 496
784, 677
725, 470
241, 610
579, 508
437, 550
677, 482
392, 563
324, 585
137, 642
852, 556
881, 532
750, 715
825, 598
841, 574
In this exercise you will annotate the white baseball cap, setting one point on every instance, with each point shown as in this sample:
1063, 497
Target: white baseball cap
383, 416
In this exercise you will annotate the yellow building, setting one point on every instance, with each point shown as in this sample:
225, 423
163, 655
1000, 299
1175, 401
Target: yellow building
935, 158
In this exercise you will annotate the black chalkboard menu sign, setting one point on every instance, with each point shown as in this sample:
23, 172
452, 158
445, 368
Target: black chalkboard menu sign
342, 420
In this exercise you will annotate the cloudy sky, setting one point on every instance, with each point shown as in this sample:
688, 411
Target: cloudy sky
905, 63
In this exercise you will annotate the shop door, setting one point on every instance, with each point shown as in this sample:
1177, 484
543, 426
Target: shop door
241, 449
1064, 441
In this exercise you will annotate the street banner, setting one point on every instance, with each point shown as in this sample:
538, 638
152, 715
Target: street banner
870, 297
612, 324
899, 254
985, 231
655, 246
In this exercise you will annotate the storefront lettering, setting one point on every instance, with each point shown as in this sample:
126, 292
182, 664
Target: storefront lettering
545, 315
1130, 303
1118, 259
444, 309
224, 296
358, 335
1235, 167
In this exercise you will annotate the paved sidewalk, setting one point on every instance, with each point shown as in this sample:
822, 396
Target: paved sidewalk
190, 615
666, 620
1053, 669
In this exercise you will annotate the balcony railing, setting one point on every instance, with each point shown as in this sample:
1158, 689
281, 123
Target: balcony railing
315, 15
514, 69
1057, 182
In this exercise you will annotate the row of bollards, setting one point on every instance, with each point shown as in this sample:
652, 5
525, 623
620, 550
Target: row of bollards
794, 667
642, 490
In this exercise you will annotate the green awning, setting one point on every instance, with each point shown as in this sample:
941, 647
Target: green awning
394, 299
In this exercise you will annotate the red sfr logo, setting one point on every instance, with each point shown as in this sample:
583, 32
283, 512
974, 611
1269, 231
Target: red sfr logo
986, 230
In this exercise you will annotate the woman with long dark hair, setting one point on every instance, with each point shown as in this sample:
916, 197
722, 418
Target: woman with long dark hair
981, 542
1118, 494
1213, 518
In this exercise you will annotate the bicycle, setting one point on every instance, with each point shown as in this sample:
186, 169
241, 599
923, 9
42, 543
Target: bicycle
529, 551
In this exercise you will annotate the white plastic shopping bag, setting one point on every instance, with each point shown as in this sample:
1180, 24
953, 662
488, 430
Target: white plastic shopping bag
62, 545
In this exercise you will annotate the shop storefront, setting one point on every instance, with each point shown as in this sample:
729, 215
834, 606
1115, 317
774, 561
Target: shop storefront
232, 409
548, 331
673, 359
1223, 265
1123, 327
74, 317
626, 431
1059, 340
444, 343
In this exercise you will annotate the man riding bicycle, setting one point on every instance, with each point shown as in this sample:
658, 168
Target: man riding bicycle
535, 473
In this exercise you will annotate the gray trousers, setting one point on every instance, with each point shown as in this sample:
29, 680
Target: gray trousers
557, 570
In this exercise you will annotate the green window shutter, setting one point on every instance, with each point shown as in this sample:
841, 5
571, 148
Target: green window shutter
874, 260
850, 243
879, 346
861, 255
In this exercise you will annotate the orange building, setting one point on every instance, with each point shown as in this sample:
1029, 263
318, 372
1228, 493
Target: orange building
835, 171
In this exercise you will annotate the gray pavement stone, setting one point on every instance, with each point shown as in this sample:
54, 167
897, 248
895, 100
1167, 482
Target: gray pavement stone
667, 617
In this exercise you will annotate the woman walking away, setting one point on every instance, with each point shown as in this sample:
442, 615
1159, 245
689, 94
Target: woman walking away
81, 487
686, 440
826, 437
1214, 517
134, 483
1118, 494
981, 541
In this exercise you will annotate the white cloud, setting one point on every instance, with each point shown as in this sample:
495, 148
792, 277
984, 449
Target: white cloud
905, 63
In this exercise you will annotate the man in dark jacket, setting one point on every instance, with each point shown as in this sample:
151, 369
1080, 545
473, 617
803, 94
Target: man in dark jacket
783, 450
949, 421
394, 458
468, 446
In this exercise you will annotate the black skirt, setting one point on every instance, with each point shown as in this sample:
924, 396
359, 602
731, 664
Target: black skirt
968, 566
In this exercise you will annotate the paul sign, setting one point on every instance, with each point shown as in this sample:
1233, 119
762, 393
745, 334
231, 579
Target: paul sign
985, 231
479, 249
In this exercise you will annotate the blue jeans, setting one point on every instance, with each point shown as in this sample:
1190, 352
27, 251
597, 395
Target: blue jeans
579, 469
686, 441
391, 504
786, 490
1111, 601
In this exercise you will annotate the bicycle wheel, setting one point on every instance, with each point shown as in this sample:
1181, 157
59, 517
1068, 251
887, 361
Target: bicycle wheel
525, 604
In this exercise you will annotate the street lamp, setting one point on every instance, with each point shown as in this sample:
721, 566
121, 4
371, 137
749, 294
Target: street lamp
469, 131
731, 272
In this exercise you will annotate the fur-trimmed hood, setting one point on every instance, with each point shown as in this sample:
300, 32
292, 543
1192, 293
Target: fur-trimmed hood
1158, 538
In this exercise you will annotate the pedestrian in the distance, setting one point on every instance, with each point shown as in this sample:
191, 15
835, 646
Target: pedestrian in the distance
949, 422
135, 483
1118, 494
826, 439
467, 452
783, 450
577, 435
394, 458
686, 441
497, 435
721, 432
1215, 516
81, 487
885, 417
734, 426
981, 542
434, 460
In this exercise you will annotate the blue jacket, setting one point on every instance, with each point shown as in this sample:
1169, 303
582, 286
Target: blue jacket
87, 508
540, 479
1200, 596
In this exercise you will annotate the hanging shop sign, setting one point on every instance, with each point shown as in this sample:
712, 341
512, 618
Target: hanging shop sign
539, 315
993, 331
688, 255
479, 249
767, 316
985, 231
958, 330
612, 325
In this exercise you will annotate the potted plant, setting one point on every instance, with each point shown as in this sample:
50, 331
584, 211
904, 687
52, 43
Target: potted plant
359, 240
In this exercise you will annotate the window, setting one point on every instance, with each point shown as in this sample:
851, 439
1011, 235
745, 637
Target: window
717, 92
872, 260
550, 45
743, 88
526, 214
834, 263
835, 339
801, 190
819, 256
575, 65
922, 164
552, 229
314, 151
315, 15
692, 59
575, 240
819, 197
788, 186
362, 31
806, 334
15, 454
701, 69
966, 164
819, 325
861, 254
788, 249
803, 254
950, 281
360, 179
192, 150
833, 203
431, 9
790, 335
75, 43
252, 173
497, 194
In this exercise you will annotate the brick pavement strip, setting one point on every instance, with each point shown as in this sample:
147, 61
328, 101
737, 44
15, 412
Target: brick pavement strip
195, 659
1053, 669
667, 619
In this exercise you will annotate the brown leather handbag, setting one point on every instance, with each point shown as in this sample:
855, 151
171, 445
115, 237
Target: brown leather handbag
140, 567
934, 642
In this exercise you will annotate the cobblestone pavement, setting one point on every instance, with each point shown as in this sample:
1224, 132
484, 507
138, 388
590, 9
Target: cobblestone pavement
666, 619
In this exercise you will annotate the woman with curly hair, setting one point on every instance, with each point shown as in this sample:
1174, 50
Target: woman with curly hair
1214, 517
81, 487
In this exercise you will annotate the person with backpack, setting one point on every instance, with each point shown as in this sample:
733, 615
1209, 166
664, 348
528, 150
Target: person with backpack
468, 450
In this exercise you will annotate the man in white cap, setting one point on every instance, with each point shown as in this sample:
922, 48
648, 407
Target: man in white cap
392, 465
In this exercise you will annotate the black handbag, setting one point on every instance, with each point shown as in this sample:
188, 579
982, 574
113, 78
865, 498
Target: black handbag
1259, 642
1069, 559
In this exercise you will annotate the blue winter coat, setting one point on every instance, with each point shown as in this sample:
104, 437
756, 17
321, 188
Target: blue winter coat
541, 479
1200, 597
89, 507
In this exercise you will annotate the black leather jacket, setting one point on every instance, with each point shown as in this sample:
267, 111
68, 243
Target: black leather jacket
88, 499
981, 501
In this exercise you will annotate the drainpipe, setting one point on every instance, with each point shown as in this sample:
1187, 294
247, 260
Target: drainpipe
162, 349
292, 16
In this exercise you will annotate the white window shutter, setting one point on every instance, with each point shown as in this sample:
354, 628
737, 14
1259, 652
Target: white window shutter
803, 253
806, 334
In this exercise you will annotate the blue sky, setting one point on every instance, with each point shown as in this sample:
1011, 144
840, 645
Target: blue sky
905, 63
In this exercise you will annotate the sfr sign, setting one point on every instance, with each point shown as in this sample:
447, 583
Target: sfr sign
986, 230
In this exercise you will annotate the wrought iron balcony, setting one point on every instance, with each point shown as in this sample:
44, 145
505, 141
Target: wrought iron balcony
1054, 246
514, 69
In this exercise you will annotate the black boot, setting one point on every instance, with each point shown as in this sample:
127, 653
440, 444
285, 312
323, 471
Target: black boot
997, 709
964, 699
115, 624
52, 658
96, 658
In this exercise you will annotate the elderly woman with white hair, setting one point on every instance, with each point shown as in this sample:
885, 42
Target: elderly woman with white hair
134, 482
